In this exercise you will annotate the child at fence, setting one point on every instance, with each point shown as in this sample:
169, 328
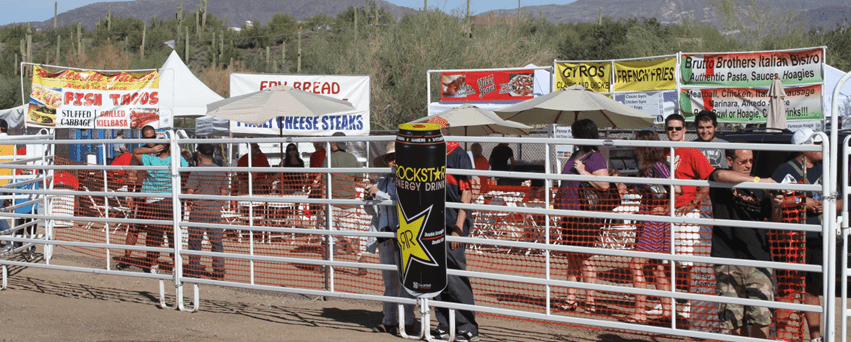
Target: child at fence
652, 236
208, 211
386, 219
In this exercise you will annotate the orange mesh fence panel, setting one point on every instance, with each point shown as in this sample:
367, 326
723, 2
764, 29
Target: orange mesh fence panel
285, 208
790, 246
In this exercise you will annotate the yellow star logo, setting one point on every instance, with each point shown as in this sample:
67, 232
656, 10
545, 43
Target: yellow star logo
410, 241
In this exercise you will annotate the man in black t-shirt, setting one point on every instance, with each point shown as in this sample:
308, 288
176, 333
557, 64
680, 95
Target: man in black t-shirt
501, 155
743, 243
458, 289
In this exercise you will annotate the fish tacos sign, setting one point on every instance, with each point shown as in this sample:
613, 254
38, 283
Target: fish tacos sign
95, 100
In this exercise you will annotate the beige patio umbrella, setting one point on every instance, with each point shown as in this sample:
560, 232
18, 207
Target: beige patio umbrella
469, 120
259, 107
573, 104
777, 108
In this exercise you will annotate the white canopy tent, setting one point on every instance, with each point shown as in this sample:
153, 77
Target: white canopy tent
181, 92
14, 116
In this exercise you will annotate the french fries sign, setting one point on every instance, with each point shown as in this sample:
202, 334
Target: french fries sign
93, 100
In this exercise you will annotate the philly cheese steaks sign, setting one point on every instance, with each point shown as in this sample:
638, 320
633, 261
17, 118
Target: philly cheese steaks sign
94, 100
354, 89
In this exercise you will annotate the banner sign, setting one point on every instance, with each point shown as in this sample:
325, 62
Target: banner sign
658, 104
591, 75
354, 89
93, 100
497, 85
754, 69
647, 75
751, 105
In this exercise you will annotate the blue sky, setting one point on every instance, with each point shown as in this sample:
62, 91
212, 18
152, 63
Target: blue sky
16, 11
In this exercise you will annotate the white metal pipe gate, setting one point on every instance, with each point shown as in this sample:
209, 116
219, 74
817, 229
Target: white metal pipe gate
548, 283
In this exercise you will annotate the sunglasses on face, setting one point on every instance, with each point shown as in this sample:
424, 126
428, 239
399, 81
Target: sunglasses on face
678, 128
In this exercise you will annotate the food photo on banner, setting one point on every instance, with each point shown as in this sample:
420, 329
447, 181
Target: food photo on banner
95, 100
494, 85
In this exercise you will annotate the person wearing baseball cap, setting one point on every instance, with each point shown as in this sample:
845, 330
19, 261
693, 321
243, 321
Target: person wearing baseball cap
794, 171
206, 211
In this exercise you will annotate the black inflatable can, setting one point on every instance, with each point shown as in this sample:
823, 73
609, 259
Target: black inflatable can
421, 202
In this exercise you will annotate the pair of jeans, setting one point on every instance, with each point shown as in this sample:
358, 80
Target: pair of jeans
215, 235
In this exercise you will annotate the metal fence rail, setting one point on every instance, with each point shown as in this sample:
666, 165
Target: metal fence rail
279, 239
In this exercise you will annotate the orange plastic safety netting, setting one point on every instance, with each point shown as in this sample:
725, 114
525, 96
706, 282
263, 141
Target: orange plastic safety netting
281, 204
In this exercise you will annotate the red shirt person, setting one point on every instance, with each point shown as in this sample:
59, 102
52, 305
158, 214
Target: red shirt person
260, 180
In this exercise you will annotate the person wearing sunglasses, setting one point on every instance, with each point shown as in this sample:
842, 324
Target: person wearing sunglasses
293, 182
690, 163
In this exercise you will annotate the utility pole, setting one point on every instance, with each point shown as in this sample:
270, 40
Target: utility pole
298, 65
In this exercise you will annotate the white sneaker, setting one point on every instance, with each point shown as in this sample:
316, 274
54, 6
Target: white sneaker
155, 269
685, 312
817, 339
655, 311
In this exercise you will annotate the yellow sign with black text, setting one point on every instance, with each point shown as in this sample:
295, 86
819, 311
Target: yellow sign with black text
591, 75
645, 75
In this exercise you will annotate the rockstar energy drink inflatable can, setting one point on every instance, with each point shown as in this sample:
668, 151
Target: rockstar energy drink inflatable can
421, 201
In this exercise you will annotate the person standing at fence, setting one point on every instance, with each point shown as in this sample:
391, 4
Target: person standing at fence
118, 148
343, 186
206, 211
480, 163
501, 156
156, 208
458, 289
581, 231
317, 158
134, 179
810, 164
386, 219
652, 236
260, 180
706, 122
292, 182
744, 243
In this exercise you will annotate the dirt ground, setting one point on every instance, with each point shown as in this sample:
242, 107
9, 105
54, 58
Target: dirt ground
42, 304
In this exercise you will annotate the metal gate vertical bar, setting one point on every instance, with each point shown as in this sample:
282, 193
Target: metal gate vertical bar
844, 226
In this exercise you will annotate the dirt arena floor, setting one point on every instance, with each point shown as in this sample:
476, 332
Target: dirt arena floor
44, 305
49, 305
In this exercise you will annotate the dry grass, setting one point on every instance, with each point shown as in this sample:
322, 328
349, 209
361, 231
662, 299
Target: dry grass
218, 78
104, 57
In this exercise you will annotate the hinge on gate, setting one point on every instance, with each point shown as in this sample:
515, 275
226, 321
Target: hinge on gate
833, 196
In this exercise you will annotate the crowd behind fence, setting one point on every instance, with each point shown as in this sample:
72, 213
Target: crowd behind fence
272, 229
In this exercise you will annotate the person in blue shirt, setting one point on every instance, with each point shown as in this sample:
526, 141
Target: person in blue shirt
156, 208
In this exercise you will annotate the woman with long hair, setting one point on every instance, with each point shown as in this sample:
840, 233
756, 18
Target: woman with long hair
581, 231
652, 236
293, 181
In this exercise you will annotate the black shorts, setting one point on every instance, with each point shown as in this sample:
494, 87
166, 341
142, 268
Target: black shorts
814, 256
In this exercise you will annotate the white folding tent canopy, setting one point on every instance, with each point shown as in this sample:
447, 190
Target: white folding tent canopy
181, 92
